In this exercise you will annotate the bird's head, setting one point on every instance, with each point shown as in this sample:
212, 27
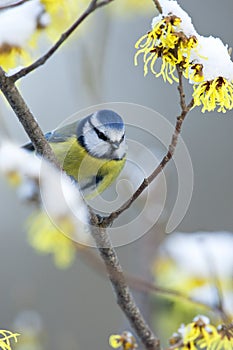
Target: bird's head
102, 134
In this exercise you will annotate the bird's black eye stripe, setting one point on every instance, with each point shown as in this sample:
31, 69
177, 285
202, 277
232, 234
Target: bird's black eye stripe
122, 138
100, 134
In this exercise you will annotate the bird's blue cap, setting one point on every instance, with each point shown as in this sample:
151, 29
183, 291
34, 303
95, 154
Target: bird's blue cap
111, 118
103, 117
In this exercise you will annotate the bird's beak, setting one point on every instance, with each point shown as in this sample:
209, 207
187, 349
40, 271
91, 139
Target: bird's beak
115, 145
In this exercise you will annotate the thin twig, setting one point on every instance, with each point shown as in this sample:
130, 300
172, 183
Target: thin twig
14, 4
26, 117
142, 285
178, 345
123, 295
94, 4
158, 6
171, 149
216, 282
145, 286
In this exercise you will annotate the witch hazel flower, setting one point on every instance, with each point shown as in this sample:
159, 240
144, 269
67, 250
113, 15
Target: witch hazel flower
205, 61
171, 39
22, 25
211, 73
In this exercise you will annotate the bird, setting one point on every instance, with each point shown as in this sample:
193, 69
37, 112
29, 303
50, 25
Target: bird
92, 150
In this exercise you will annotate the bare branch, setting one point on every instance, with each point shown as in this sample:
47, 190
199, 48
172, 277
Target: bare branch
124, 297
26, 117
171, 149
158, 6
219, 305
14, 4
94, 4
145, 286
142, 285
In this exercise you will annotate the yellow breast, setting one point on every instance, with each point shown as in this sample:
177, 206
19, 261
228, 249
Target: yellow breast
94, 175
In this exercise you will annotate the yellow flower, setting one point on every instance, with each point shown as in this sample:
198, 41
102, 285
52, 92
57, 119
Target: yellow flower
217, 93
222, 339
126, 340
195, 73
25, 23
198, 329
11, 56
47, 238
201, 335
165, 41
5, 339
62, 13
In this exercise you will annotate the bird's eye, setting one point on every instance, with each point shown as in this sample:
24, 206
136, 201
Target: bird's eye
100, 134
122, 138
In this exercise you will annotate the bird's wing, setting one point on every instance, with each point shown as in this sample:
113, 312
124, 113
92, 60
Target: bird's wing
58, 135
62, 134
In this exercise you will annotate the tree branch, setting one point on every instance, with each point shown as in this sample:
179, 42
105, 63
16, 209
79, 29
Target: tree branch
142, 285
14, 4
94, 4
26, 117
157, 5
98, 227
107, 252
107, 221
138, 283
124, 297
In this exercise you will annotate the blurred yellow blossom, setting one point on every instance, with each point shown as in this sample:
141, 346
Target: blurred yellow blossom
125, 340
181, 264
47, 238
20, 28
61, 14
61, 218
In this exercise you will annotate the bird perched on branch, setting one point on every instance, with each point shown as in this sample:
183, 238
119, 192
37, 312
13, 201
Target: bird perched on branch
91, 150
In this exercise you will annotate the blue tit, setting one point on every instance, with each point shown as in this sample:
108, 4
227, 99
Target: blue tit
92, 150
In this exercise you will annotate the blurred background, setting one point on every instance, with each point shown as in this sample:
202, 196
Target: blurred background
75, 308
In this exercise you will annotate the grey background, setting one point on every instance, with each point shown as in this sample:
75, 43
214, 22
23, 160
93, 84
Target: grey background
76, 306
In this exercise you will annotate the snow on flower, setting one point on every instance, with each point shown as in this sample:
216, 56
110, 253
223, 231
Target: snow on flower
213, 80
172, 38
21, 25
61, 217
185, 261
205, 61
17, 25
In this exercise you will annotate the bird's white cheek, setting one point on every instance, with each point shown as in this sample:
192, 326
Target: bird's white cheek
120, 152
101, 149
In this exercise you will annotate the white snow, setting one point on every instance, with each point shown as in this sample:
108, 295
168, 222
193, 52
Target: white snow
173, 8
17, 24
214, 56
